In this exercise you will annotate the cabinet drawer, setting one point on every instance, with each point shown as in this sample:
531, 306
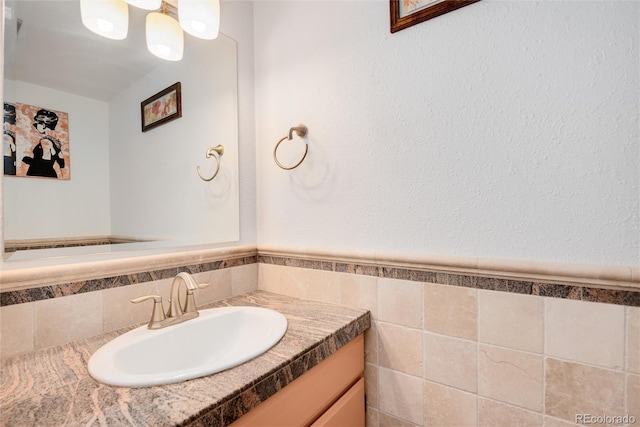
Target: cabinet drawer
348, 411
306, 398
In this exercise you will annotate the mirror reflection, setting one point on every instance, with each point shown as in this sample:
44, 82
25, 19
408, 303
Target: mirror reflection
114, 183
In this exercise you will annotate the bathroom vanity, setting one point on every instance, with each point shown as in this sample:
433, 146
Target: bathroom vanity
313, 375
330, 394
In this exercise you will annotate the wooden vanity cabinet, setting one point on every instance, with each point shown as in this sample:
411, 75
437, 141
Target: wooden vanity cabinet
330, 394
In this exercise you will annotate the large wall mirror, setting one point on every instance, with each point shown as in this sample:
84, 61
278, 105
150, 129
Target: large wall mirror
124, 185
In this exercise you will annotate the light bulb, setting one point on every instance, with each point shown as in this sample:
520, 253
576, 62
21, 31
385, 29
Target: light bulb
104, 25
164, 37
107, 18
163, 50
200, 18
198, 26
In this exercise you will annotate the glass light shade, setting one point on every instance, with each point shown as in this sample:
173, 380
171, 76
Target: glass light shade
200, 18
164, 37
146, 4
107, 18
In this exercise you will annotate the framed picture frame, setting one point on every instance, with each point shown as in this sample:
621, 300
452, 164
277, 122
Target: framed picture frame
162, 107
36, 142
405, 13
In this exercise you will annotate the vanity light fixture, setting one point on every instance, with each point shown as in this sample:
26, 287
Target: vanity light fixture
165, 37
107, 18
200, 18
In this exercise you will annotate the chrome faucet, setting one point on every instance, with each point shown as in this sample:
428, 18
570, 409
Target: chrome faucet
177, 313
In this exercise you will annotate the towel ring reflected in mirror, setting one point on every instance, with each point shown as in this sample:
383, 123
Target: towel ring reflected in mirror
301, 131
219, 149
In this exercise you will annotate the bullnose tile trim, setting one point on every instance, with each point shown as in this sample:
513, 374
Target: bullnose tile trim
621, 278
606, 284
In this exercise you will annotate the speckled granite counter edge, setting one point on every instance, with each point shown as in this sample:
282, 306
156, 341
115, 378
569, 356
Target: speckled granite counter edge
232, 408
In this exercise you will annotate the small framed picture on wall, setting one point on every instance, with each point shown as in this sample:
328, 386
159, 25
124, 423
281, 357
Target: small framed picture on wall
162, 107
405, 13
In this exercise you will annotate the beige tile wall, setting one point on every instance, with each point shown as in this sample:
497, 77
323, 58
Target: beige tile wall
436, 355
32, 326
440, 355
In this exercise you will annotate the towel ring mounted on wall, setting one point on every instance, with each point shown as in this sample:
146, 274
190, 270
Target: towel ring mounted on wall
219, 149
301, 131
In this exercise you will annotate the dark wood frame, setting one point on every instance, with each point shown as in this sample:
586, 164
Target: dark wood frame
174, 87
400, 23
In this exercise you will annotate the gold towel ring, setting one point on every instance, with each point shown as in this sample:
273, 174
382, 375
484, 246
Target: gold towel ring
217, 149
301, 131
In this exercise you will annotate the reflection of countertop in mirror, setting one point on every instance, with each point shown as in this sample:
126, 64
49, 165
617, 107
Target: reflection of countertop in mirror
126, 259
35, 254
54, 384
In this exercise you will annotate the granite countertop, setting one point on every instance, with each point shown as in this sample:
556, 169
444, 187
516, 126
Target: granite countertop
52, 387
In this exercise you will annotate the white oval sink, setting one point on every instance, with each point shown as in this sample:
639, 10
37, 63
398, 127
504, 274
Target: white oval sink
220, 338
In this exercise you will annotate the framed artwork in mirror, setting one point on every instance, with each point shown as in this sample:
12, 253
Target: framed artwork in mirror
162, 107
405, 13
35, 142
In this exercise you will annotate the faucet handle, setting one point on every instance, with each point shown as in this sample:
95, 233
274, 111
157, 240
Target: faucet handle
190, 303
202, 285
191, 283
157, 315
